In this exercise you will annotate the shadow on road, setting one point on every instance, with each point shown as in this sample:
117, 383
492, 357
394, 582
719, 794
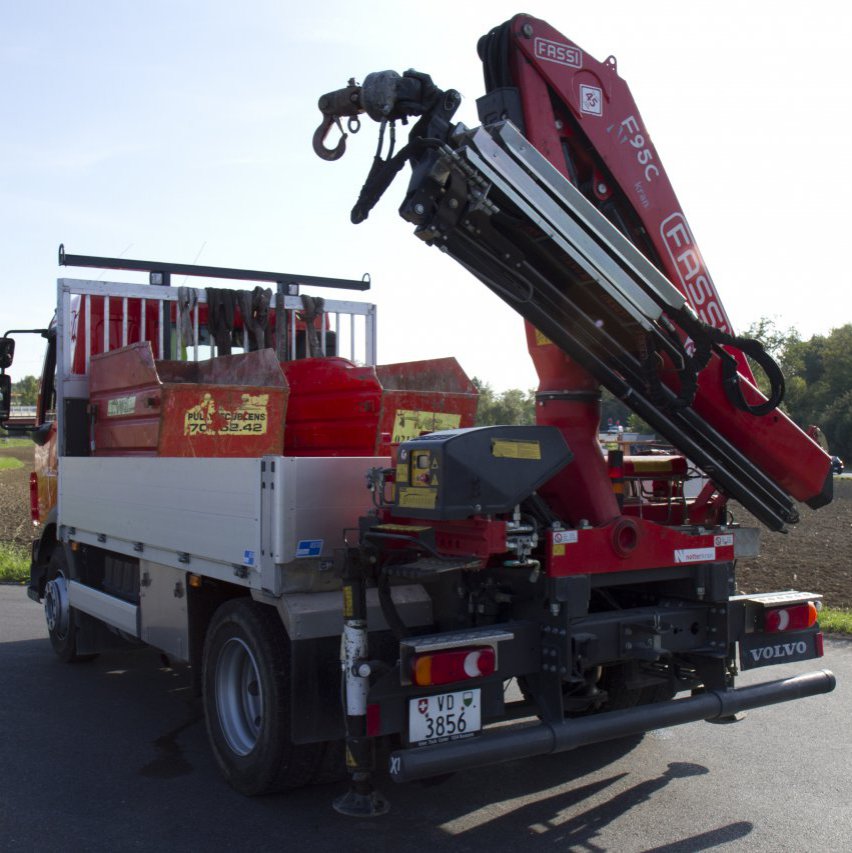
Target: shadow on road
120, 743
560, 819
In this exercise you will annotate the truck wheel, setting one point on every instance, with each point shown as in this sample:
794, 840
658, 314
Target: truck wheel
61, 622
246, 683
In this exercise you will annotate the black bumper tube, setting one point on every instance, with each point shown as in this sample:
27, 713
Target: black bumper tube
545, 738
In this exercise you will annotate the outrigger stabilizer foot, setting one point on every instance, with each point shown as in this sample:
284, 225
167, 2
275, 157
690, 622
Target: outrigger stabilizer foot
362, 799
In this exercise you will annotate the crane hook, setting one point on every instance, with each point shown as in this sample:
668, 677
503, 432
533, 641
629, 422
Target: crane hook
334, 106
319, 139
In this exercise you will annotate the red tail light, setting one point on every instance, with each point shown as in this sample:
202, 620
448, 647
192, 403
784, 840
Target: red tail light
451, 665
374, 720
34, 498
794, 618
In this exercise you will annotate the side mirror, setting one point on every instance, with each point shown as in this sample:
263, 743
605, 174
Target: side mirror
7, 352
5, 394
41, 433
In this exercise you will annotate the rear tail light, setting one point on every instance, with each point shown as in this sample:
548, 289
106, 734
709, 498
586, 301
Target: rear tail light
34, 515
374, 720
794, 618
450, 665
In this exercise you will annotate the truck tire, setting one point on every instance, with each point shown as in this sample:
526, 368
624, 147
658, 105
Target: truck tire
247, 701
60, 616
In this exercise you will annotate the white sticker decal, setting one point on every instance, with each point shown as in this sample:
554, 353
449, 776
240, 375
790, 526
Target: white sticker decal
564, 537
724, 541
591, 100
121, 406
694, 555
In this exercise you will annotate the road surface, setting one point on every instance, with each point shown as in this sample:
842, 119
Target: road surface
112, 755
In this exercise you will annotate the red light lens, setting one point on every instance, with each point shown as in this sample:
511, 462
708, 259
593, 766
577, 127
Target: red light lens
795, 618
453, 665
374, 720
34, 514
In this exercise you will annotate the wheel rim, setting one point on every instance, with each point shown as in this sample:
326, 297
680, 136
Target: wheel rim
239, 696
56, 607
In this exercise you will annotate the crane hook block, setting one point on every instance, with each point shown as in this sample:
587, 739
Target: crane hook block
334, 106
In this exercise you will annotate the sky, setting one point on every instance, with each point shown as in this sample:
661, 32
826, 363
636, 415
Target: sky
181, 131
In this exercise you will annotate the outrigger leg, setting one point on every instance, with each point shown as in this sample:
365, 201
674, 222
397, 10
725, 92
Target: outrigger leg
362, 799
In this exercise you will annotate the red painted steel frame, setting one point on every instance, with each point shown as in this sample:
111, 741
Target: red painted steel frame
633, 544
570, 100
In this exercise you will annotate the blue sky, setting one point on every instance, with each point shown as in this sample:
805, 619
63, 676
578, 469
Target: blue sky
181, 130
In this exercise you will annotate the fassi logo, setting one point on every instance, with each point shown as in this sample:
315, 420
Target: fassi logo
554, 51
694, 278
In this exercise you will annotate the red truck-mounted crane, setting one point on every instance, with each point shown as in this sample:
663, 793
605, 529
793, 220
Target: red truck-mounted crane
560, 204
341, 556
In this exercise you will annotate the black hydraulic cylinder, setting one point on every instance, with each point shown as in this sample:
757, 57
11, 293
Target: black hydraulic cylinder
545, 738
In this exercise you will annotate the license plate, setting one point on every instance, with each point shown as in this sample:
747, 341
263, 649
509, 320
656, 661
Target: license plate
447, 716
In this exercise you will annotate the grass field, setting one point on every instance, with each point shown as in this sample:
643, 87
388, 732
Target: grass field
8, 463
14, 563
835, 621
14, 442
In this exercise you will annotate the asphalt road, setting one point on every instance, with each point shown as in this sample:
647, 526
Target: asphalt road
112, 755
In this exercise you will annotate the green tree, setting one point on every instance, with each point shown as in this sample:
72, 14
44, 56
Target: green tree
836, 423
779, 343
818, 374
518, 407
25, 391
507, 407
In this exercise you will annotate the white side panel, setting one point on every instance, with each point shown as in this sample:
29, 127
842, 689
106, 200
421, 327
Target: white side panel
107, 608
316, 500
163, 619
209, 508
271, 523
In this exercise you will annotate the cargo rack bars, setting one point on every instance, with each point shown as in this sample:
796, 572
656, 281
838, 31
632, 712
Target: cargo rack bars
71, 386
161, 272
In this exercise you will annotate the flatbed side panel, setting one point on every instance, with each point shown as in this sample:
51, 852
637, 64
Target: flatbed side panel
269, 523
209, 508
316, 499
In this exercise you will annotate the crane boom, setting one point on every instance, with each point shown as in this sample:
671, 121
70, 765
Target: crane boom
560, 204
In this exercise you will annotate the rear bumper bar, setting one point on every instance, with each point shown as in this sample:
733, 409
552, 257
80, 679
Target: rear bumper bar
545, 738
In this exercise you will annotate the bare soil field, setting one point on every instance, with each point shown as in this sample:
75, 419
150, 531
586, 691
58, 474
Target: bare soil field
15, 524
815, 556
